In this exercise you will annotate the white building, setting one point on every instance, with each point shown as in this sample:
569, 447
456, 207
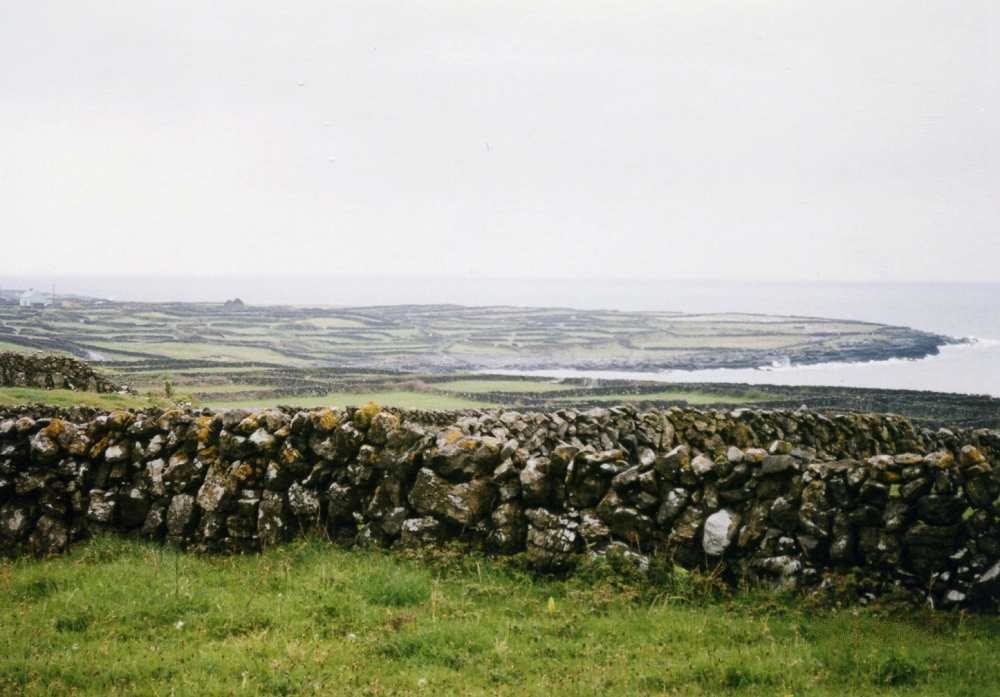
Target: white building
31, 298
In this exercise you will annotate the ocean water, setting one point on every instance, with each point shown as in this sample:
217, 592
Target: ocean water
957, 310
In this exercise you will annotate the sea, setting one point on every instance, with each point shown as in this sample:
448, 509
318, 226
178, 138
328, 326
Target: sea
961, 310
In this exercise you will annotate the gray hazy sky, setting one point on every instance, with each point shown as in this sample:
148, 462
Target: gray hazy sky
755, 139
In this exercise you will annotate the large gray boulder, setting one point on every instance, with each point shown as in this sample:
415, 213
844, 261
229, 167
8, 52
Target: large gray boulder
463, 504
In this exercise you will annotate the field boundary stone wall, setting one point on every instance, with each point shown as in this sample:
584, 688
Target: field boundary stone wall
51, 372
789, 499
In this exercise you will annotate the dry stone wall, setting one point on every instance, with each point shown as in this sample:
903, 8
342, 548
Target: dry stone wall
51, 372
787, 499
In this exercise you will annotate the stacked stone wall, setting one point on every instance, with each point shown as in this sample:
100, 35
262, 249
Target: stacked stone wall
51, 372
782, 498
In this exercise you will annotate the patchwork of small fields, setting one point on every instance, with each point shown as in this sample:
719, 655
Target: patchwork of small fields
420, 356
440, 337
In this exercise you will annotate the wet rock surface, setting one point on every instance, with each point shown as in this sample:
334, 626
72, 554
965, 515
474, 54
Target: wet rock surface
788, 499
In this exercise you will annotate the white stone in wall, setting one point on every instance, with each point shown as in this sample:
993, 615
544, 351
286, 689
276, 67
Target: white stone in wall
720, 528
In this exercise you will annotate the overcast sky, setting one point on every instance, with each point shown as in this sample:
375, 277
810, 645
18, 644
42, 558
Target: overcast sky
785, 140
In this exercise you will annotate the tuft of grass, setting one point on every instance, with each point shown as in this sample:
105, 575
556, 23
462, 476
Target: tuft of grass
397, 587
119, 616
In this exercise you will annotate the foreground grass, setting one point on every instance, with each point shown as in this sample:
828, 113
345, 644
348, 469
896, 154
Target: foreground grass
117, 617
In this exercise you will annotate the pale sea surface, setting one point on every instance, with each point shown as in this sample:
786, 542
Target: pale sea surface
958, 310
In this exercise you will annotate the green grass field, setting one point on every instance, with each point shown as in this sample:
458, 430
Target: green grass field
68, 398
402, 399
16, 348
476, 386
189, 350
694, 398
119, 617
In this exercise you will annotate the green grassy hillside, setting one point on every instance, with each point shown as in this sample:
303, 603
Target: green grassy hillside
117, 617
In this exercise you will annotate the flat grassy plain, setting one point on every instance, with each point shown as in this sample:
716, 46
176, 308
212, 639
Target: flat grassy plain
116, 617
67, 398
402, 399
537, 386
691, 397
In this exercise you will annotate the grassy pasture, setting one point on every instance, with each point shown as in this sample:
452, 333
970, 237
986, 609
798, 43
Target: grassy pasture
691, 397
537, 386
202, 351
16, 348
67, 398
404, 399
119, 617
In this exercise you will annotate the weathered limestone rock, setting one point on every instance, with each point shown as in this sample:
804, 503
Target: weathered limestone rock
116, 453
342, 502
778, 464
16, 521
674, 462
303, 502
218, 490
50, 536
102, 507
702, 465
536, 481
44, 450
133, 507
183, 474
419, 532
262, 440
272, 526
720, 530
181, 517
462, 504
156, 522
509, 528
552, 541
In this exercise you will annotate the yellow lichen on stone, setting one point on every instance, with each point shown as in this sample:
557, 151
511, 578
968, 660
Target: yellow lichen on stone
248, 425
168, 418
54, 429
203, 428
242, 471
327, 419
99, 447
364, 415
290, 454
208, 454
944, 460
120, 419
971, 455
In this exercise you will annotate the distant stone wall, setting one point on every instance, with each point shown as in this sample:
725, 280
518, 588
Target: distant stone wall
787, 499
51, 372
